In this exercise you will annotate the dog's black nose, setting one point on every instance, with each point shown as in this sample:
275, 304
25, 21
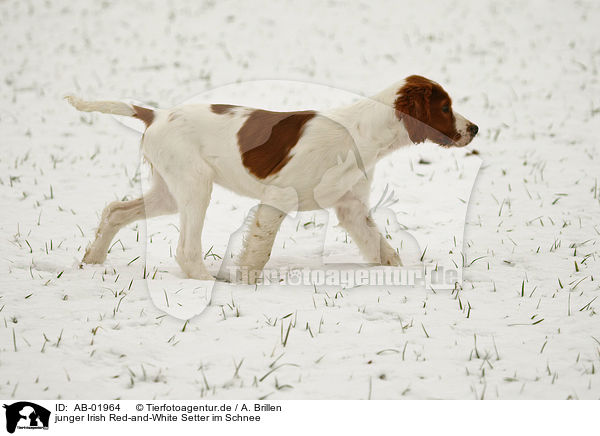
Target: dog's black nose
473, 129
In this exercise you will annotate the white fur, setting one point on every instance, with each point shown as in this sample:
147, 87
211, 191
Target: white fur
462, 124
190, 148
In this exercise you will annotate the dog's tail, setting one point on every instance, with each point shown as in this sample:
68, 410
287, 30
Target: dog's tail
113, 107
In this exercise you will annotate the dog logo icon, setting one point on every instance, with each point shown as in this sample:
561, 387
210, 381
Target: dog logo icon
26, 415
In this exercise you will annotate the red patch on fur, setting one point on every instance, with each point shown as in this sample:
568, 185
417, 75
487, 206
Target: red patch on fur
144, 114
221, 109
266, 139
420, 106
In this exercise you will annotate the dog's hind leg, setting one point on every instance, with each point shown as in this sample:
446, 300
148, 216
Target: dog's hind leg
158, 201
259, 242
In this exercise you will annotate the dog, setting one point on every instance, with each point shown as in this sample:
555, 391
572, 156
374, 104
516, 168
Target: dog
302, 160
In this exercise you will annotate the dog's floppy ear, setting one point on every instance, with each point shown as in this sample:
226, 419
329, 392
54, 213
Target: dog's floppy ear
412, 107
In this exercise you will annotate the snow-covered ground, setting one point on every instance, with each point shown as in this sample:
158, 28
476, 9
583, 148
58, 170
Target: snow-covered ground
524, 323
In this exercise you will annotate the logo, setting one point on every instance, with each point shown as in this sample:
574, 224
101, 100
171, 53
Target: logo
26, 415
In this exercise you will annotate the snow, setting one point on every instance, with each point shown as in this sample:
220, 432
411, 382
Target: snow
523, 324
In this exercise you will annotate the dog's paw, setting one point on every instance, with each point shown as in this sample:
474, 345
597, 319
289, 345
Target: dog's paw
93, 257
391, 258
201, 276
194, 269
197, 273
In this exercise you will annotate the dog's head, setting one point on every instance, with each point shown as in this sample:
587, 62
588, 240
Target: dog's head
425, 108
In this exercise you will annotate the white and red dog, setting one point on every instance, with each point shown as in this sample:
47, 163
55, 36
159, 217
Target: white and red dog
287, 160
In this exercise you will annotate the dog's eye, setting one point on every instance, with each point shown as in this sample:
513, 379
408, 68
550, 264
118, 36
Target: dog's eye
446, 109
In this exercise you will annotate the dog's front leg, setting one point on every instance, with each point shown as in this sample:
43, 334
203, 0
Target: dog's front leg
192, 208
259, 242
354, 216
